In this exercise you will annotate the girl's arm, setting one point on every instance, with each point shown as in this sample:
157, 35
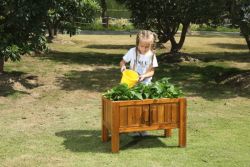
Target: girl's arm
150, 72
122, 65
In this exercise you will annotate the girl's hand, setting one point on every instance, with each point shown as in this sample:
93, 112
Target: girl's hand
141, 78
123, 68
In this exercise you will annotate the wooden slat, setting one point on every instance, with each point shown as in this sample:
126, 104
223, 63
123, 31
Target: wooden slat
168, 113
130, 115
178, 113
174, 110
138, 114
144, 128
145, 110
147, 101
153, 114
105, 115
108, 114
123, 116
160, 110
108, 110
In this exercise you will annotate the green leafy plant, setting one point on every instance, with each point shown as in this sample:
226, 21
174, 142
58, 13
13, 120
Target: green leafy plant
159, 89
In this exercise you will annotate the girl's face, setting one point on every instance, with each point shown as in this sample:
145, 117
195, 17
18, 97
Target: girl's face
144, 46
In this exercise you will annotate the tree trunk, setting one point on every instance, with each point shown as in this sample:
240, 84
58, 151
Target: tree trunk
50, 31
183, 34
248, 41
55, 31
56, 26
244, 30
104, 13
1, 64
176, 47
244, 27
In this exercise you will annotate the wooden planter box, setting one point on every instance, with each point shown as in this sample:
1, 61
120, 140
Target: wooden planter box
143, 115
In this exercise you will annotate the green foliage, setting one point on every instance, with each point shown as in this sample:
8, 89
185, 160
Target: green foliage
22, 27
159, 89
205, 27
165, 17
23, 23
114, 25
120, 92
12, 52
239, 13
70, 14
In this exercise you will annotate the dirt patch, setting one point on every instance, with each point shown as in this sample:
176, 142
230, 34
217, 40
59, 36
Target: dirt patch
62, 41
17, 81
238, 81
176, 58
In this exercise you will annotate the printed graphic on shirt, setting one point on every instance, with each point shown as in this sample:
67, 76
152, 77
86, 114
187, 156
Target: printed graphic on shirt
142, 64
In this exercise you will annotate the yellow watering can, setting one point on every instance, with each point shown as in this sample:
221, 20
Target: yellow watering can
129, 77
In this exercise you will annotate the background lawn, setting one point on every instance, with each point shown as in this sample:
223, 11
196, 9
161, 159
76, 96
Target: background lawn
50, 105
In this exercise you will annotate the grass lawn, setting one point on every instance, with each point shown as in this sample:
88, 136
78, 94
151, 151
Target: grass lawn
50, 106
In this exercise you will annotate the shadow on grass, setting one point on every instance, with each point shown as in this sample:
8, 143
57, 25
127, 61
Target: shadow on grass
88, 58
8, 79
109, 46
194, 79
204, 81
90, 141
145, 142
99, 79
230, 46
243, 57
98, 59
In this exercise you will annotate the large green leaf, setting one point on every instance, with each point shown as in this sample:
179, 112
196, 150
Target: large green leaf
159, 89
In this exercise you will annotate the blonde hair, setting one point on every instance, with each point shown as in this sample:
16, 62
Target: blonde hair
146, 35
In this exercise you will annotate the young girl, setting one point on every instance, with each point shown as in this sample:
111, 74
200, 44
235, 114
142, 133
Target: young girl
142, 57
142, 60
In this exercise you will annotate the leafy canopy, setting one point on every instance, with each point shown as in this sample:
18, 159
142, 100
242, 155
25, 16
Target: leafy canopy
165, 16
239, 13
21, 27
70, 14
23, 22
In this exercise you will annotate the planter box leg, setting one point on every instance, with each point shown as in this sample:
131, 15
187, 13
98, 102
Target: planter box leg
182, 128
182, 137
105, 134
168, 132
115, 142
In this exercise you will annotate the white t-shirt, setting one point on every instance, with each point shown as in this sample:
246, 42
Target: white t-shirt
143, 62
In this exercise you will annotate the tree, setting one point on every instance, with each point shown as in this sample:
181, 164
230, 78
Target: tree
23, 23
69, 14
104, 13
166, 17
239, 13
21, 28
